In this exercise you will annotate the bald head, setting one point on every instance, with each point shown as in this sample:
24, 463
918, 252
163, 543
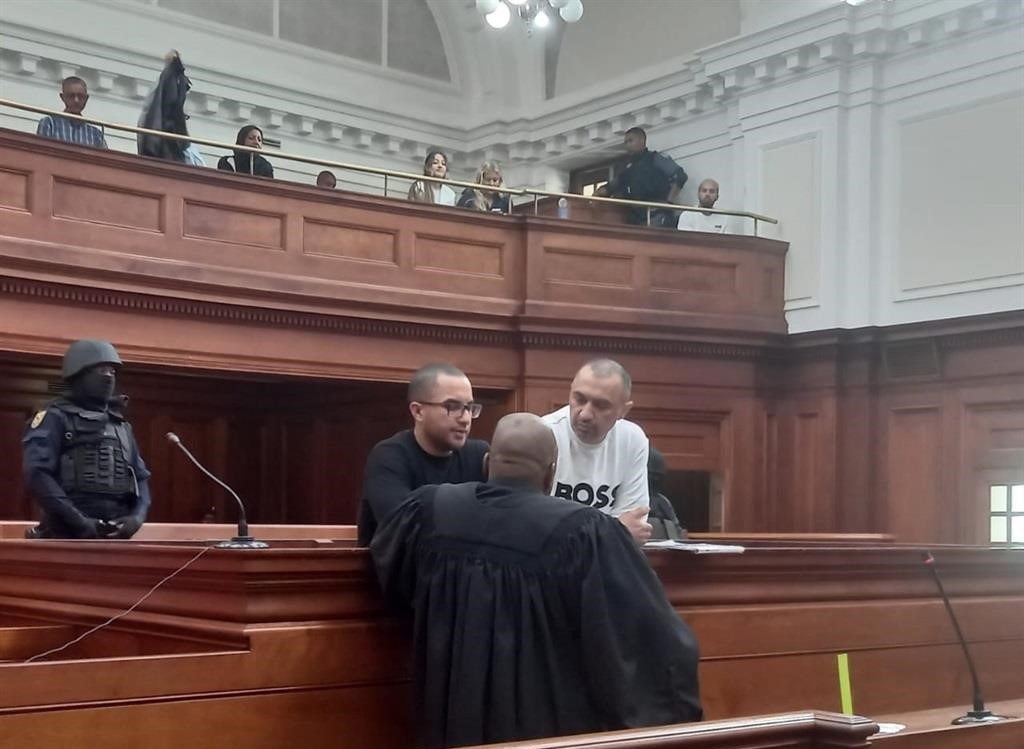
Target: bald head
523, 448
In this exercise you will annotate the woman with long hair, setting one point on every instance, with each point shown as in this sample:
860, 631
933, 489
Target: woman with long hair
487, 199
435, 165
245, 162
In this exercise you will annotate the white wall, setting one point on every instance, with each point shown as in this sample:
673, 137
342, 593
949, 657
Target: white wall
626, 36
885, 137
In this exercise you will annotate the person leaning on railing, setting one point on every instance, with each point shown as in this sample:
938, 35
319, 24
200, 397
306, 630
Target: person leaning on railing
244, 162
75, 95
435, 165
489, 175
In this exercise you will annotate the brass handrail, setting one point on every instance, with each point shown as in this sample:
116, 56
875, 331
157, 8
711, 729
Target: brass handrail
238, 147
386, 173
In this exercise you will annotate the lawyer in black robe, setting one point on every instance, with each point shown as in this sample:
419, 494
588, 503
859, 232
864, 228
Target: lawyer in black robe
532, 617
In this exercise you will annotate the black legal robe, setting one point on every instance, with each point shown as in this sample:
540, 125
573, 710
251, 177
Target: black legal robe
532, 617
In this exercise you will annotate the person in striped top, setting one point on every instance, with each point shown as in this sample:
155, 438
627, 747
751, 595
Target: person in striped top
74, 94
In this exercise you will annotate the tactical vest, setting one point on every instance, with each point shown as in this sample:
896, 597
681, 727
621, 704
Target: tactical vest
97, 452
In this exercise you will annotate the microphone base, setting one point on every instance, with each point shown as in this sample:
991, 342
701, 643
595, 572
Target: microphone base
242, 542
974, 717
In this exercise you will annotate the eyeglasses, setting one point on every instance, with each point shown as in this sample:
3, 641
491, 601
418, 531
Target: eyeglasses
457, 408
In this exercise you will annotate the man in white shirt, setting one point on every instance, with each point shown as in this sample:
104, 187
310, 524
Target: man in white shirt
602, 458
707, 196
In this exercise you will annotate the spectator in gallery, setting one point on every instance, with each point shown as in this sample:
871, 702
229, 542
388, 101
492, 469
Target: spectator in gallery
435, 165
487, 200
245, 162
707, 196
75, 95
326, 179
164, 110
649, 176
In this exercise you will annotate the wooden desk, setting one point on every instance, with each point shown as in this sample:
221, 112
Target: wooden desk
807, 730
293, 645
931, 729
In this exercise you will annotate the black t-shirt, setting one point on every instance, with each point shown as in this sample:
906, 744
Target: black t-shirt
397, 466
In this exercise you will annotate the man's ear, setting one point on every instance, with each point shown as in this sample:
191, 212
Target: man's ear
416, 410
549, 477
487, 465
625, 409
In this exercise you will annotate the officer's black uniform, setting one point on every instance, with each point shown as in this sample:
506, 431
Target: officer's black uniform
650, 176
662, 517
81, 460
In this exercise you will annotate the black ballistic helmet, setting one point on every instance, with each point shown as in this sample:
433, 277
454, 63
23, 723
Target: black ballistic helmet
88, 353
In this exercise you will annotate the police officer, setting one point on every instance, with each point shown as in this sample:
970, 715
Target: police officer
663, 519
81, 461
649, 176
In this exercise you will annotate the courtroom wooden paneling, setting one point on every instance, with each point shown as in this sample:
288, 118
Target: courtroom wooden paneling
834, 445
917, 439
297, 295
931, 729
649, 278
807, 730
311, 718
293, 450
127, 223
880, 607
305, 619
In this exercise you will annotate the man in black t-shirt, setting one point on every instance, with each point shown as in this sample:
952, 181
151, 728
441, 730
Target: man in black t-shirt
437, 450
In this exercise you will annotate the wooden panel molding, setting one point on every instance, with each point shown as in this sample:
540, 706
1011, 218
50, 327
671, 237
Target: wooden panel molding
14, 189
304, 619
159, 228
105, 204
349, 242
682, 275
586, 268
224, 223
466, 257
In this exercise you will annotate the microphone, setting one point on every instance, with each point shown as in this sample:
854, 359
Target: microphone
979, 714
243, 540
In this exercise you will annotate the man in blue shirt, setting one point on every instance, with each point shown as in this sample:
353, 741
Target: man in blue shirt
74, 95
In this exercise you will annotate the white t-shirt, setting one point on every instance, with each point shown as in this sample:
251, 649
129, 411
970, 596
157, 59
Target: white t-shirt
716, 223
611, 476
445, 195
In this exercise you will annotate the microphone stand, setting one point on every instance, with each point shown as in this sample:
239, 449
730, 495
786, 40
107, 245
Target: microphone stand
979, 713
242, 540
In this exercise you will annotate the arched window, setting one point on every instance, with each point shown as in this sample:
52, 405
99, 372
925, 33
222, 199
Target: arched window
397, 34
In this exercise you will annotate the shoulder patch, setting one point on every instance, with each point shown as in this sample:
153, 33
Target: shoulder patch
38, 419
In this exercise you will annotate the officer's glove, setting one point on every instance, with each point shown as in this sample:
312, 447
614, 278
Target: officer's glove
126, 526
93, 528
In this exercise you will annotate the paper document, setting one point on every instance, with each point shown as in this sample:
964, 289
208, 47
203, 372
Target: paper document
695, 547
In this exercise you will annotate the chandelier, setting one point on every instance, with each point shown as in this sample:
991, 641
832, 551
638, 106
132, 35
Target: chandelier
536, 14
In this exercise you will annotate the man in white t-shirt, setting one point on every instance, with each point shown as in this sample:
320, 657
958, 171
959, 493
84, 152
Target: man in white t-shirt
707, 196
602, 458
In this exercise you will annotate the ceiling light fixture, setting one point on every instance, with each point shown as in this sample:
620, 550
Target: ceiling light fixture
533, 13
